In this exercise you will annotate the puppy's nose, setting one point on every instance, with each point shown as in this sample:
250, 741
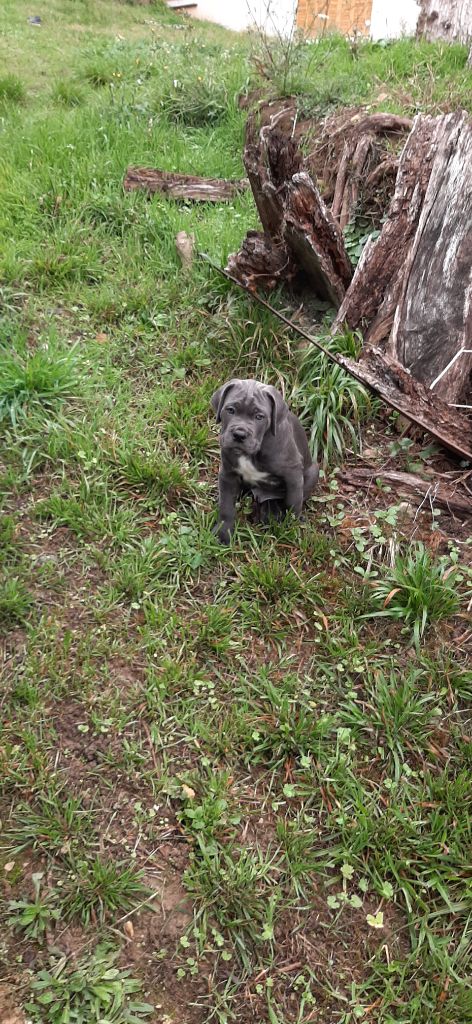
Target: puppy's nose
239, 433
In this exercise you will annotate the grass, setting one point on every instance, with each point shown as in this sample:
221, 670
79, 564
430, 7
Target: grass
230, 780
418, 590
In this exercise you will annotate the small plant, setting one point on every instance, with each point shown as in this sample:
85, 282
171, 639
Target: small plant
32, 381
397, 712
205, 811
69, 93
96, 889
91, 991
196, 102
34, 917
155, 475
279, 722
55, 825
15, 602
233, 891
356, 236
333, 404
417, 590
12, 89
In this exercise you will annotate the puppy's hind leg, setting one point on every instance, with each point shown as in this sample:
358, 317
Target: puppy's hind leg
310, 480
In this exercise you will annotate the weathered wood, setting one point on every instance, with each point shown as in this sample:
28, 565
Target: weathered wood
271, 157
395, 386
387, 167
417, 490
182, 186
185, 245
351, 193
383, 124
261, 262
433, 319
341, 179
372, 297
315, 239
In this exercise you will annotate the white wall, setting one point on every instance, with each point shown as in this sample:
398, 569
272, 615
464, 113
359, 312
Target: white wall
275, 16
391, 19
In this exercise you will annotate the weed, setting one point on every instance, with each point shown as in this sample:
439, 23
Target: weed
68, 93
87, 992
281, 723
234, 892
35, 917
333, 404
12, 89
417, 590
97, 889
206, 809
196, 101
15, 602
54, 825
36, 381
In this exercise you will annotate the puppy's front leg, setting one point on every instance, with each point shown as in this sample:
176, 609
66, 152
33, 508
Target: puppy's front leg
294, 495
229, 487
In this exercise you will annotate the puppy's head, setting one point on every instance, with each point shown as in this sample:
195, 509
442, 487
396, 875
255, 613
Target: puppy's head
247, 410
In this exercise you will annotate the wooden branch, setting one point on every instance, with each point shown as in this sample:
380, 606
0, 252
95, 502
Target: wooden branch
383, 124
315, 239
386, 167
415, 489
395, 386
185, 245
341, 178
182, 186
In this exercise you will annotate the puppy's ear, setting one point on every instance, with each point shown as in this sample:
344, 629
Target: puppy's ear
217, 400
279, 408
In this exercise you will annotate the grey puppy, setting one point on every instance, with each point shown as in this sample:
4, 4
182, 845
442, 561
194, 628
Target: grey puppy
264, 450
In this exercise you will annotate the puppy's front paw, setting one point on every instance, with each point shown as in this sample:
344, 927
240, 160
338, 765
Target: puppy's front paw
222, 534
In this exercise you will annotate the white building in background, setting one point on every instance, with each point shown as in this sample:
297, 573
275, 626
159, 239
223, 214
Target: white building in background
377, 19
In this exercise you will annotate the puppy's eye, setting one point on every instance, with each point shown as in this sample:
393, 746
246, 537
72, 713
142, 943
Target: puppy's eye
230, 409
259, 416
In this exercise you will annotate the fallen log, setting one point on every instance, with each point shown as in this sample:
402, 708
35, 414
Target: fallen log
182, 186
413, 488
392, 383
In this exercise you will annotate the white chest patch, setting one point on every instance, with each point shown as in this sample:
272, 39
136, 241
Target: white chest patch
248, 471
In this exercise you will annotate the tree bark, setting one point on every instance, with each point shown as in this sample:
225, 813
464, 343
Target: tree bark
182, 186
373, 294
315, 239
412, 289
445, 19
261, 262
433, 319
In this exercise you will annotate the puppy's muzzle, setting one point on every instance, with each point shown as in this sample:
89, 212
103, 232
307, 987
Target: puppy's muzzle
239, 433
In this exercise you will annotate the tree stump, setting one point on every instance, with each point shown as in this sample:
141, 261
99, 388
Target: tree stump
412, 289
